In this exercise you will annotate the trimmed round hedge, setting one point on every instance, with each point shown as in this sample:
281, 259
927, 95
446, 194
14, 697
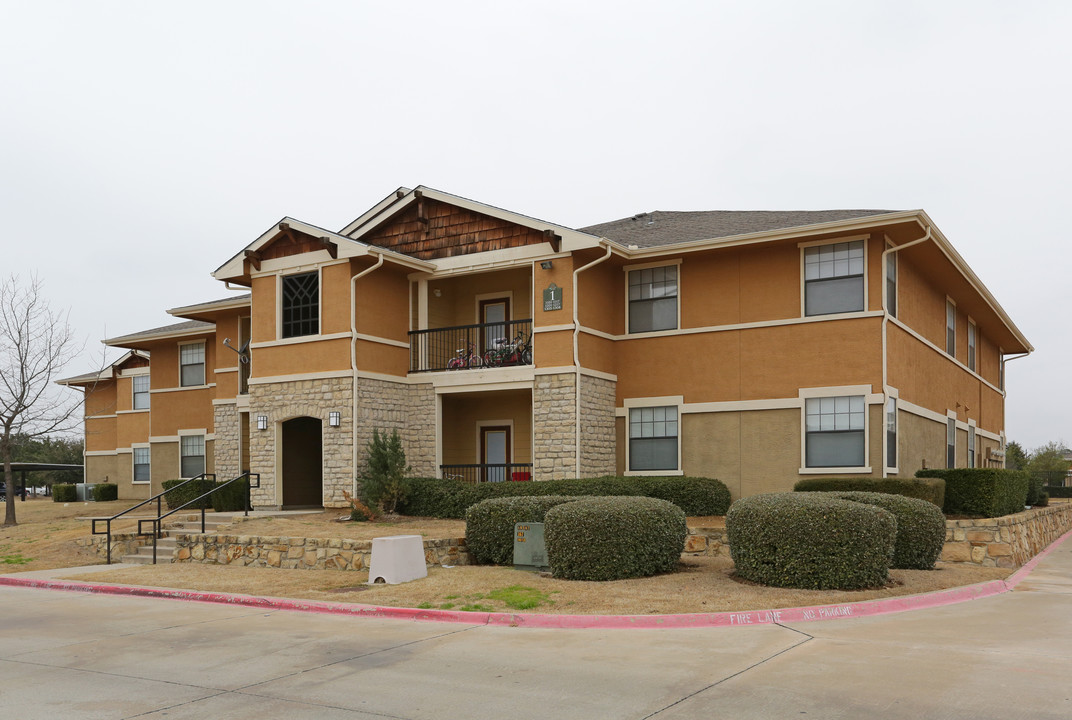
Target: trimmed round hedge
810, 541
489, 525
920, 527
930, 489
613, 538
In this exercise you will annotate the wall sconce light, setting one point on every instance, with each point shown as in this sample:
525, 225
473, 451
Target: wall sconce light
334, 418
437, 292
262, 422
545, 265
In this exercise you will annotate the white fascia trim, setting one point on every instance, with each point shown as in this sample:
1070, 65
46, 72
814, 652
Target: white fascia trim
139, 338
99, 417
382, 340
292, 264
489, 387
946, 355
608, 336
738, 326
555, 328
399, 379
131, 412
101, 453
375, 210
987, 434
211, 306
573, 369
225, 370
326, 375
479, 378
225, 401
301, 339
124, 451
182, 389
194, 431
837, 391
182, 433
131, 372
654, 401
490, 260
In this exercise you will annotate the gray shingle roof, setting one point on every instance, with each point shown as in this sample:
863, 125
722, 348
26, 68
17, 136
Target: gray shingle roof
175, 329
663, 227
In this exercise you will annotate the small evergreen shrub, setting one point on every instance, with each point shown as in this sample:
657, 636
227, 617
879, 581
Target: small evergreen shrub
64, 492
489, 525
1036, 492
920, 527
231, 498
383, 485
178, 496
612, 538
986, 492
1058, 491
104, 492
811, 541
929, 489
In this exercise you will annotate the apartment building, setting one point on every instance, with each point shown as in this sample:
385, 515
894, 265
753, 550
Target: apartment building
755, 347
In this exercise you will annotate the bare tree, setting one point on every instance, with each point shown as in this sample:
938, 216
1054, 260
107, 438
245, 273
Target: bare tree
36, 342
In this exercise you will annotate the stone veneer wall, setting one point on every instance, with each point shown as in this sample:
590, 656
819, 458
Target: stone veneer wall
1008, 541
598, 397
410, 409
313, 398
554, 413
301, 553
227, 447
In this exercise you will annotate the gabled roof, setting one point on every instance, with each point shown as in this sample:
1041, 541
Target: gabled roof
200, 310
107, 373
661, 227
183, 329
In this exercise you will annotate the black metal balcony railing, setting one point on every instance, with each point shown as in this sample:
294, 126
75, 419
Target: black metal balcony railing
488, 472
466, 347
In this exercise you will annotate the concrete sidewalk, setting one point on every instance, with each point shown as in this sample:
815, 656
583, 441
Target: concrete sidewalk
78, 655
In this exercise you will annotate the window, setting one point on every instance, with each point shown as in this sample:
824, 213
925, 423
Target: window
653, 438
141, 392
950, 328
141, 464
192, 364
653, 299
834, 431
192, 455
951, 443
971, 446
301, 305
834, 278
972, 331
891, 283
891, 433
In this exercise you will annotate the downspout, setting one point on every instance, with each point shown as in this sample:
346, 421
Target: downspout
1004, 382
885, 323
577, 356
353, 367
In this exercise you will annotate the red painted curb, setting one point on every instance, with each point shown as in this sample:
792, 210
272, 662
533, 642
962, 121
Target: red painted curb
866, 608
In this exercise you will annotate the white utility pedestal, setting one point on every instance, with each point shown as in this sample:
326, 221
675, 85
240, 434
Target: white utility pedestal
397, 559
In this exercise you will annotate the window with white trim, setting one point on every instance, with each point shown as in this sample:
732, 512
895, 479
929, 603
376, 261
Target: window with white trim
653, 434
301, 304
191, 455
834, 431
891, 432
972, 333
140, 385
653, 299
192, 364
891, 283
971, 446
950, 328
141, 464
834, 278
951, 443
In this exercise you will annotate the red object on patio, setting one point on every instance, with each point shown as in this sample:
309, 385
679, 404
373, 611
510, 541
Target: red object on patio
520, 476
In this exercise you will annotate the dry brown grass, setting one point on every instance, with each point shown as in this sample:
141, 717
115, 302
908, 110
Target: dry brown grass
47, 531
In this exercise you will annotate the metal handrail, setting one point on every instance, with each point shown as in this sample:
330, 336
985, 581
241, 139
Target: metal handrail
157, 497
157, 520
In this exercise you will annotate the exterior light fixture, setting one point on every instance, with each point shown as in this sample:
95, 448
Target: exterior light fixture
437, 292
262, 422
334, 418
545, 265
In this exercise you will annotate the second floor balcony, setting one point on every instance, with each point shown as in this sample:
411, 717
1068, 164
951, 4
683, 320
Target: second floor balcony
468, 347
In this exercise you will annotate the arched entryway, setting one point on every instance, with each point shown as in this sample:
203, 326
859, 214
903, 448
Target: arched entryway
302, 469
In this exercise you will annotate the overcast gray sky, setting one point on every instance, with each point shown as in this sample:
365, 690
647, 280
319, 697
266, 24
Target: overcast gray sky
143, 143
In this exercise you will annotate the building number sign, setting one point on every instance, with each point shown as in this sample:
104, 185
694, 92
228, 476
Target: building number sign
552, 298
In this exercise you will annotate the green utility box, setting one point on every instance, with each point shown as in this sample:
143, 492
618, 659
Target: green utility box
530, 552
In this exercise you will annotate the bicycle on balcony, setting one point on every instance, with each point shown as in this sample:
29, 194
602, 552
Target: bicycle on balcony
465, 358
510, 352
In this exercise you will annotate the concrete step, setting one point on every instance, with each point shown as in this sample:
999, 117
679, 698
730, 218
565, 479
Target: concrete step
165, 551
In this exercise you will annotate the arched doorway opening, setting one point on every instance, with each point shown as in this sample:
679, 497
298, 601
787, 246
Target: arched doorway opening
302, 469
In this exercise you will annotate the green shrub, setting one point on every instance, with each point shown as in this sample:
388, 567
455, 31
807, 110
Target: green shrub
1058, 491
920, 527
929, 489
1036, 491
383, 484
430, 497
103, 492
179, 496
64, 492
810, 541
986, 492
489, 525
612, 538
231, 498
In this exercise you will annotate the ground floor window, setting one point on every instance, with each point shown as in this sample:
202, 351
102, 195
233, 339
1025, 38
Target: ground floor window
141, 464
653, 438
834, 431
971, 446
891, 433
951, 443
192, 455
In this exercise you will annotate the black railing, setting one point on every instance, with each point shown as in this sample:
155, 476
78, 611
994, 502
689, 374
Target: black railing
488, 472
463, 347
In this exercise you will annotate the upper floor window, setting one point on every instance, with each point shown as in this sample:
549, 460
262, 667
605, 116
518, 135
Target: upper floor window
834, 278
653, 438
301, 305
141, 392
653, 299
950, 328
972, 333
834, 431
891, 283
192, 364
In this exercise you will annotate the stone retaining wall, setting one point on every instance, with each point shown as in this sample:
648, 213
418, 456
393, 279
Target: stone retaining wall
122, 544
710, 542
1006, 542
301, 553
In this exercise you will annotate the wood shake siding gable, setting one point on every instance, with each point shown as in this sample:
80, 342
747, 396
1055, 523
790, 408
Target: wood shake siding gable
430, 229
